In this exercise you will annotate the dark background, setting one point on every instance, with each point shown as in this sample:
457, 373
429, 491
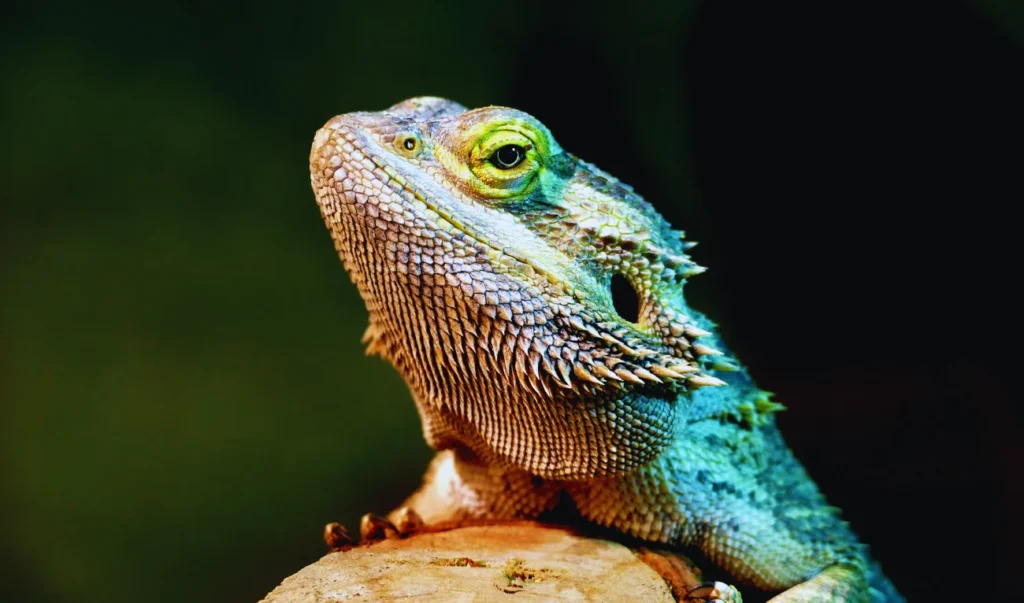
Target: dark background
184, 397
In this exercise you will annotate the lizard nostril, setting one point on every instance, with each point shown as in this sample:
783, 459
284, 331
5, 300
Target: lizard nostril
625, 298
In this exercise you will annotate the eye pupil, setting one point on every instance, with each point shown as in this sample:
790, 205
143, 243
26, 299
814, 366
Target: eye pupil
508, 156
410, 144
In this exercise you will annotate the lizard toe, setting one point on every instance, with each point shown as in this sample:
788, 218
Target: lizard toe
714, 592
407, 520
374, 527
336, 537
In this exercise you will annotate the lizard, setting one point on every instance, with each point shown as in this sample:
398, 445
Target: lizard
484, 254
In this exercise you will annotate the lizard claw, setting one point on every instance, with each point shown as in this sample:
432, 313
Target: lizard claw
371, 528
407, 520
336, 537
374, 527
714, 592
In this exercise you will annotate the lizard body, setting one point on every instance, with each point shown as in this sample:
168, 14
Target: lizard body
484, 254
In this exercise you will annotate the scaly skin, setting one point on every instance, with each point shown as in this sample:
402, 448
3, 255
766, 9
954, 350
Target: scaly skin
484, 253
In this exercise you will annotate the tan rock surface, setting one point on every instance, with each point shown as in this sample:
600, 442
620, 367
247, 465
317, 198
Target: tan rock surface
512, 562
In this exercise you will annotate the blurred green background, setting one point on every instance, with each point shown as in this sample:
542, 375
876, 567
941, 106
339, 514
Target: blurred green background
185, 399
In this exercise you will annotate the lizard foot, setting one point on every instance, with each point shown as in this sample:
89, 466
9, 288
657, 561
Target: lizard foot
684, 578
714, 592
371, 528
375, 527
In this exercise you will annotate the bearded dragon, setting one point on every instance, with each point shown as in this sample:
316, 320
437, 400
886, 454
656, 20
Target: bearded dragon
484, 254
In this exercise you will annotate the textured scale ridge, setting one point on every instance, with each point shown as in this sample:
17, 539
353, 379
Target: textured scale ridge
485, 256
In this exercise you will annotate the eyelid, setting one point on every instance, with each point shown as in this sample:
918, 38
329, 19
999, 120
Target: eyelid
503, 136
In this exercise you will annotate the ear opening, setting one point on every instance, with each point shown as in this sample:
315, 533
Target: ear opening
625, 298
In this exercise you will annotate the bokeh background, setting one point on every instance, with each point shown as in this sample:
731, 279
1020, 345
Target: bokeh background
185, 401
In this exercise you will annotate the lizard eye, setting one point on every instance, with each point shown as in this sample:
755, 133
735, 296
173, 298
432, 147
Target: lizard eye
508, 156
505, 160
408, 144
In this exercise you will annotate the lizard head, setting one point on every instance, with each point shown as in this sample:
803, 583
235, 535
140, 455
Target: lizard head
485, 256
